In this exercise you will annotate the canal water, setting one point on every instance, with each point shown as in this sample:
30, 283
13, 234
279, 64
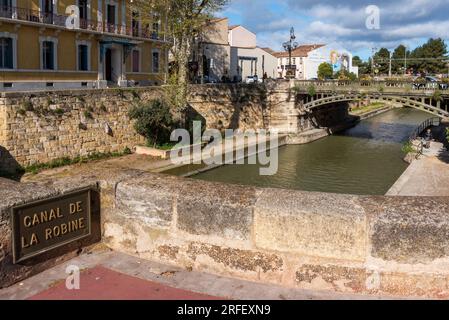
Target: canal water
366, 159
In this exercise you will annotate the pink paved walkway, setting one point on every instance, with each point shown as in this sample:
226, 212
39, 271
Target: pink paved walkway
100, 283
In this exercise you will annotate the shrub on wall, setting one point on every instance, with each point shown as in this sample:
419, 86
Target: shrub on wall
311, 90
154, 121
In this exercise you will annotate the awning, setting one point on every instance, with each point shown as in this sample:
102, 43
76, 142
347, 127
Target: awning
127, 44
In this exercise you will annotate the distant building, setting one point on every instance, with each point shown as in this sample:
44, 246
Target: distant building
307, 58
231, 53
246, 58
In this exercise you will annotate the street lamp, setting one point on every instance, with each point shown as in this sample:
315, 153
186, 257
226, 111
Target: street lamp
289, 46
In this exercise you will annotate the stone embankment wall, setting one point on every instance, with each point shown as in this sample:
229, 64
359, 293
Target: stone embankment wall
42, 126
346, 243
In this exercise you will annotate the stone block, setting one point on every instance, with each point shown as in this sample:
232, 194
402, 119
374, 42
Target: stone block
314, 224
206, 208
149, 198
409, 229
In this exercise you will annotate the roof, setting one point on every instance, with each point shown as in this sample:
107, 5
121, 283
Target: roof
234, 26
301, 51
269, 50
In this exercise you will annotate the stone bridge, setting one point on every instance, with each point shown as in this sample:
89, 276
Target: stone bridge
303, 100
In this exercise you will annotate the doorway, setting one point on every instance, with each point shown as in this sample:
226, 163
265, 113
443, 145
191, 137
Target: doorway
108, 64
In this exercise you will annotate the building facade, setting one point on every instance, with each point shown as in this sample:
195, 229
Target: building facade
231, 54
247, 59
48, 44
307, 58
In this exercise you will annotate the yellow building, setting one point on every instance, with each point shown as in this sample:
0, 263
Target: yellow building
78, 43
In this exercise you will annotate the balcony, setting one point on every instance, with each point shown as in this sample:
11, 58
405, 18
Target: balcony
35, 16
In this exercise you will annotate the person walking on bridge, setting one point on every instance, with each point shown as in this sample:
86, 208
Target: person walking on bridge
428, 137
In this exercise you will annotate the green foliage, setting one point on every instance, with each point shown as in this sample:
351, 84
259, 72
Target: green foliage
135, 94
398, 62
59, 111
346, 75
447, 134
28, 106
154, 121
382, 60
311, 90
437, 97
87, 114
325, 71
408, 148
433, 48
184, 22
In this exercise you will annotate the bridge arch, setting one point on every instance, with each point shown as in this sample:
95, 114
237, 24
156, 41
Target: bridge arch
405, 101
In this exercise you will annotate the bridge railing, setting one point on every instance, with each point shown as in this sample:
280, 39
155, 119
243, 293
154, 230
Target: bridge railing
431, 122
371, 84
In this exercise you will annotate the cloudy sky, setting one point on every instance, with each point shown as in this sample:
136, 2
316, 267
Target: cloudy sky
342, 23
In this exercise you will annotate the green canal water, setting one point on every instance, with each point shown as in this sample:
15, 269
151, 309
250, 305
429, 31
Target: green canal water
366, 159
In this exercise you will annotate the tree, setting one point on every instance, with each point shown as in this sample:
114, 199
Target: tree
356, 61
430, 57
364, 67
382, 60
398, 56
154, 121
184, 21
325, 71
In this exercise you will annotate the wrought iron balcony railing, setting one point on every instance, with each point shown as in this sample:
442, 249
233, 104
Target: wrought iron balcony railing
29, 15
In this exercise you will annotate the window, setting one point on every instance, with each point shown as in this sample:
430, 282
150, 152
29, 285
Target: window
110, 11
155, 33
82, 4
136, 60
135, 23
48, 55
47, 11
155, 62
83, 57
6, 8
293, 60
6, 53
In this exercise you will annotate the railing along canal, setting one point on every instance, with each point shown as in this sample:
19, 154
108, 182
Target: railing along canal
431, 122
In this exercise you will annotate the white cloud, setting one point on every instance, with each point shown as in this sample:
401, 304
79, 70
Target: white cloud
328, 21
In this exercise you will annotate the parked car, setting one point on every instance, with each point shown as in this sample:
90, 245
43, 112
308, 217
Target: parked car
253, 79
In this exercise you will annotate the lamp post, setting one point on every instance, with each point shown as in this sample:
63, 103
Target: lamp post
373, 50
289, 46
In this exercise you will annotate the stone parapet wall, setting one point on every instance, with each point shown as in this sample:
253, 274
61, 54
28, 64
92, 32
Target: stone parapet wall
358, 244
345, 243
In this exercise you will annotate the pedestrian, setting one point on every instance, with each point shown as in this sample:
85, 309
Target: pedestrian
428, 137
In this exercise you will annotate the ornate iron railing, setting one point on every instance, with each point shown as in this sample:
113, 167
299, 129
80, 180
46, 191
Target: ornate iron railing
431, 122
384, 84
36, 16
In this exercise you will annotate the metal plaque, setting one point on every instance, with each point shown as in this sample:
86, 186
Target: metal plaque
48, 224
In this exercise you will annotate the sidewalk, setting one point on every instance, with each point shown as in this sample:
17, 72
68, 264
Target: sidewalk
427, 176
108, 275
